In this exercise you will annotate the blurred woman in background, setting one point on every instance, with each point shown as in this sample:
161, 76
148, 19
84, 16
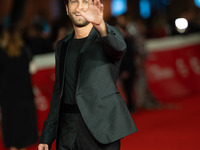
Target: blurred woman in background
19, 126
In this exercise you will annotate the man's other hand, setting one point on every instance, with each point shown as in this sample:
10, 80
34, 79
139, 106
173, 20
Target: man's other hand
43, 147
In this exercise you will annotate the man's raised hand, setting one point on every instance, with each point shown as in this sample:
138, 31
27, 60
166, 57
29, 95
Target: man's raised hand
94, 13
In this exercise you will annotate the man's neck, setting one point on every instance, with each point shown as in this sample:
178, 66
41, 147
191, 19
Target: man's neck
82, 32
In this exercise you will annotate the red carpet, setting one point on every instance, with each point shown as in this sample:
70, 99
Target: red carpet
176, 128
169, 128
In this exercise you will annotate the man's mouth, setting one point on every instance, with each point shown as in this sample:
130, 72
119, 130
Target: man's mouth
77, 14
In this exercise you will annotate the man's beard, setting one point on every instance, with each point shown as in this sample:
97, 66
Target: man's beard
76, 23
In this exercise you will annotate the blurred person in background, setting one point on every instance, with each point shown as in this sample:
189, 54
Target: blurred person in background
19, 125
37, 40
159, 26
128, 70
132, 70
87, 111
127, 74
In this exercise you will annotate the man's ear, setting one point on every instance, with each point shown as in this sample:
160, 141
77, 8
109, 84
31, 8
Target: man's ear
66, 7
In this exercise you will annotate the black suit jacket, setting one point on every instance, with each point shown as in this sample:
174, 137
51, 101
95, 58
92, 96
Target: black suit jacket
101, 106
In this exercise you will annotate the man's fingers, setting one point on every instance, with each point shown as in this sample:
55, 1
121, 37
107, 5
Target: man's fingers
101, 7
40, 147
97, 3
46, 147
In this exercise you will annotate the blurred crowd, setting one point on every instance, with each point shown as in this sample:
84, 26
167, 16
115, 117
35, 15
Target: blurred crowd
41, 37
136, 32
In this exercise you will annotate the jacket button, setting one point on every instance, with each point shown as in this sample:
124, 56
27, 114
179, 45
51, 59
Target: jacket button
113, 32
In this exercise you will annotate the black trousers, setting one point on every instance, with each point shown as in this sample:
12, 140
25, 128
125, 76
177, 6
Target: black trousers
73, 134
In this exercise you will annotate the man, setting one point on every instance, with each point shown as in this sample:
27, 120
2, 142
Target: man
87, 111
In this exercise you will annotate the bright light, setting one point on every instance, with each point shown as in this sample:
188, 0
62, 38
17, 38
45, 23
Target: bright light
145, 9
118, 7
197, 3
181, 24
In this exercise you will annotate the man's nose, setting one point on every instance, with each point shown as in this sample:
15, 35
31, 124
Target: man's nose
79, 7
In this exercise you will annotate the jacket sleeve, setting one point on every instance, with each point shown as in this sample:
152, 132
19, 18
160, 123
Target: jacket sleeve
114, 43
50, 125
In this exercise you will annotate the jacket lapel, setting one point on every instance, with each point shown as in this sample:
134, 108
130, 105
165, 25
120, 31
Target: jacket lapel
63, 49
92, 36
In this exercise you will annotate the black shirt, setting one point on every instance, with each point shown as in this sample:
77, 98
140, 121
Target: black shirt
73, 61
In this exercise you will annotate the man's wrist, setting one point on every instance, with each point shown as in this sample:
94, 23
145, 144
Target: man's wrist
102, 28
